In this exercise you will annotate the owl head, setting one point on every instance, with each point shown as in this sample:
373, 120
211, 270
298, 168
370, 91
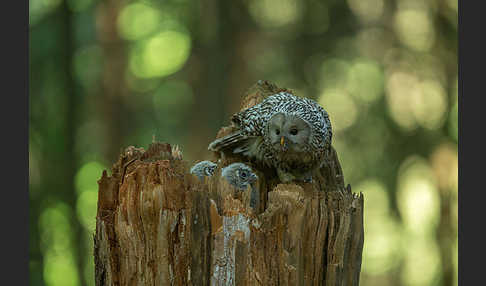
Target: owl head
288, 132
203, 169
239, 176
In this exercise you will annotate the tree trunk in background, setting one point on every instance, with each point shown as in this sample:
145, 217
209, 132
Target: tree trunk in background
113, 85
71, 121
212, 43
159, 225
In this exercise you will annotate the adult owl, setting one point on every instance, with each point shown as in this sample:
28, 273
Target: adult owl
289, 133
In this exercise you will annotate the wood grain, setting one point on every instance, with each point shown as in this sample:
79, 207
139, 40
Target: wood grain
157, 224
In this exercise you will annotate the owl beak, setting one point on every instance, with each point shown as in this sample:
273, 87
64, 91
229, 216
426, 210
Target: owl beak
283, 144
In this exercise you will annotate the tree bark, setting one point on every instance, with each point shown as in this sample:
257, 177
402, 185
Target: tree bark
159, 225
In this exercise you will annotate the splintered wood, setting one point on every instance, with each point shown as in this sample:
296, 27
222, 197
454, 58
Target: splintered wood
162, 226
159, 225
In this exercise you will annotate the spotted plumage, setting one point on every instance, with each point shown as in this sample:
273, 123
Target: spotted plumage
203, 169
258, 127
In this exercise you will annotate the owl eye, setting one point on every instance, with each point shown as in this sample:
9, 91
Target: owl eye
294, 131
243, 174
277, 131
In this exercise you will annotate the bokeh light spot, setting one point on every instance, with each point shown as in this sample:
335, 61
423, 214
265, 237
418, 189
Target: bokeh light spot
418, 197
138, 20
445, 166
57, 247
381, 250
347, 154
161, 55
275, 14
399, 85
422, 262
341, 107
429, 104
88, 176
376, 195
55, 228
60, 269
453, 4
40, 8
414, 29
86, 206
365, 81
367, 11
413, 103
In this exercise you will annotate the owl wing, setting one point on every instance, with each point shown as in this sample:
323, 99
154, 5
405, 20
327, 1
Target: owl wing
228, 141
247, 136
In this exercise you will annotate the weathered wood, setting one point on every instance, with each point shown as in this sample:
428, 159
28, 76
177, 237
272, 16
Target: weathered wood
159, 225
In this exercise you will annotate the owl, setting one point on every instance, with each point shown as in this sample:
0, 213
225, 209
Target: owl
286, 132
203, 168
240, 176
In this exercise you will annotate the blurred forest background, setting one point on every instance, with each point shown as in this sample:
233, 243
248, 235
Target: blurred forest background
105, 75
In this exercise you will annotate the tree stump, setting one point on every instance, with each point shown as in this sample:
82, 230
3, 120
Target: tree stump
157, 224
